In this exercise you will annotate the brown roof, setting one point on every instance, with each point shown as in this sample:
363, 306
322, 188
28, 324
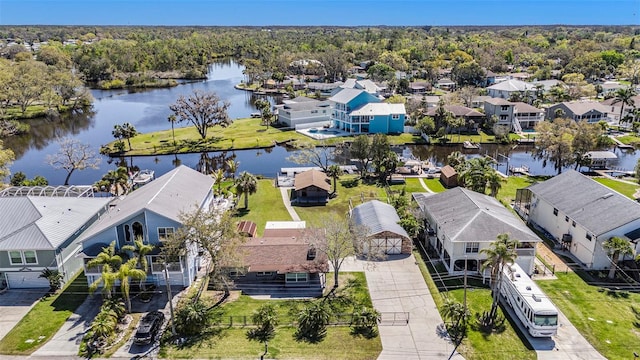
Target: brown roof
283, 255
312, 177
283, 233
448, 171
248, 228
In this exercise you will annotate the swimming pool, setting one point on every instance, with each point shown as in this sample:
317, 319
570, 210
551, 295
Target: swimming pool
323, 131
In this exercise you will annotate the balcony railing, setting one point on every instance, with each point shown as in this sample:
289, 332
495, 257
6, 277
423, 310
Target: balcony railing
526, 252
93, 269
171, 267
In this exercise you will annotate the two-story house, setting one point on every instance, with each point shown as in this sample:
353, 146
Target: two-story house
590, 111
152, 213
580, 214
507, 88
516, 115
461, 223
303, 112
357, 111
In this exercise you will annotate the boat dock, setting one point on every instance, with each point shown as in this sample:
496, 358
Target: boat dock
524, 170
620, 144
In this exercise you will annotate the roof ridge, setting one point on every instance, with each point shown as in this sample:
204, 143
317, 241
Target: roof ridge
163, 186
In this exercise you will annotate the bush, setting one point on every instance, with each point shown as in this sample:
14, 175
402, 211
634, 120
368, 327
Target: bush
312, 322
365, 323
192, 318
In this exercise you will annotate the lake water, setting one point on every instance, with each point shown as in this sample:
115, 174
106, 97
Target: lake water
148, 110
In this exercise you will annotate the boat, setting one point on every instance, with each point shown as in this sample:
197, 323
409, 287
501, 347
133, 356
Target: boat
143, 177
255, 115
470, 145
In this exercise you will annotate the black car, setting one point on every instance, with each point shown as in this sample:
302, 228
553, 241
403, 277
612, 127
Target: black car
148, 328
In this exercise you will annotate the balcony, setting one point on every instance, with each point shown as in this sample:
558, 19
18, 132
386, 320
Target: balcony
526, 252
171, 267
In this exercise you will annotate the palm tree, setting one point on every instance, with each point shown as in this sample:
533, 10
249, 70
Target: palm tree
107, 256
334, 172
107, 278
456, 160
54, 277
172, 119
246, 184
232, 167
502, 252
218, 178
118, 180
615, 247
495, 182
624, 96
475, 173
127, 272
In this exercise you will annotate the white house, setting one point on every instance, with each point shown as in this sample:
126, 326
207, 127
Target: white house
303, 112
591, 111
516, 115
581, 214
462, 222
506, 88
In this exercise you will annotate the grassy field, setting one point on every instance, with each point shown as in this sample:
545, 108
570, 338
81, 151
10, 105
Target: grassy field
623, 188
232, 342
265, 205
629, 139
44, 319
605, 319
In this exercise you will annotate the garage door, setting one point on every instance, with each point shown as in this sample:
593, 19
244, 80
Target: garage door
24, 280
384, 246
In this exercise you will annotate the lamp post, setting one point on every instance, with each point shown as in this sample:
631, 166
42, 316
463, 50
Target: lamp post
166, 281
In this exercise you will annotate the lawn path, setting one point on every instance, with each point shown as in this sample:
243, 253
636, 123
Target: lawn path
425, 186
287, 203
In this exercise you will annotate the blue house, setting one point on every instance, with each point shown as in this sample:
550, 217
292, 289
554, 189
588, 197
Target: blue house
357, 111
152, 213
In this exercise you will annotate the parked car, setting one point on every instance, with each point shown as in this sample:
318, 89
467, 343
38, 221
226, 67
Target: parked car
148, 328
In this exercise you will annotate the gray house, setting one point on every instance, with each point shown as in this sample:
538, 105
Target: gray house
152, 213
41, 231
385, 235
462, 222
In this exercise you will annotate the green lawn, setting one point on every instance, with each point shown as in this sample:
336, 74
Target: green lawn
412, 185
629, 139
44, 319
623, 188
232, 343
265, 205
340, 204
434, 184
504, 345
605, 319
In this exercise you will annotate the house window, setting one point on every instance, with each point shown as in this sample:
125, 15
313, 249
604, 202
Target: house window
296, 277
15, 257
30, 257
589, 237
504, 107
555, 211
573, 223
264, 273
27, 257
472, 247
370, 117
137, 231
395, 117
127, 233
504, 117
164, 233
566, 218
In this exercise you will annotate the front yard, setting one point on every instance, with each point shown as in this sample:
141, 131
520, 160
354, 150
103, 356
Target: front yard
230, 341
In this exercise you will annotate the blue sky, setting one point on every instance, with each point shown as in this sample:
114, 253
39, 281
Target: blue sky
319, 12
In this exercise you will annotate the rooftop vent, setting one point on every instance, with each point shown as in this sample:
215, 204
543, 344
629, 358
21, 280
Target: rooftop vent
311, 253
607, 195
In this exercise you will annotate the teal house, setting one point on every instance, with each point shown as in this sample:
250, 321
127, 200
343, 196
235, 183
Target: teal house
357, 111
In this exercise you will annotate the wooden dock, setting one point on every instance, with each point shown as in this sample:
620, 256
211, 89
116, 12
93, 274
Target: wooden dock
620, 144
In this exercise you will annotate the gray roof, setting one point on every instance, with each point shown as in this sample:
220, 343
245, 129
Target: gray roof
467, 216
44, 223
306, 105
378, 217
379, 109
345, 95
591, 204
599, 155
512, 85
521, 108
583, 107
179, 190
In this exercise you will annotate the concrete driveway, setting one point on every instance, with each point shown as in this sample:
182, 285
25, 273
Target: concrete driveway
15, 304
397, 286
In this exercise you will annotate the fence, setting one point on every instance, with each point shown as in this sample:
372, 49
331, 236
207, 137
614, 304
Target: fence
386, 319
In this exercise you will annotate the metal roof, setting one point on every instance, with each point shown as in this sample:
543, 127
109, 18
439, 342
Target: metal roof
594, 206
512, 85
598, 155
181, 189
467, 216
44, 223
378, 217
345, 95
379, 109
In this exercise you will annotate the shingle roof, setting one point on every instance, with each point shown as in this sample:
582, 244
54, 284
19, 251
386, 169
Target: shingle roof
44, 223
467, 216
345, 95
583, 107
282, 254
311, 177
379, 109
457, 110
521, 107
179, 190
498, 101
378, 217
448, 171
591, 204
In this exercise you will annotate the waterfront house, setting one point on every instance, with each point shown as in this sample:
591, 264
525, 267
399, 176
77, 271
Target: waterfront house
506, 89
590, 111
280, 263
516, 115
311, 187
39, 229
472, 118
460, 223
152, 213
384, 233
580, 214
303, 112
357, 111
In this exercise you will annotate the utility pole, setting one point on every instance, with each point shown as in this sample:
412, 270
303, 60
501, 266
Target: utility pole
465, 284
166, 281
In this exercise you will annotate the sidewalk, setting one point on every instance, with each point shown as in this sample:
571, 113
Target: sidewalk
284, 191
